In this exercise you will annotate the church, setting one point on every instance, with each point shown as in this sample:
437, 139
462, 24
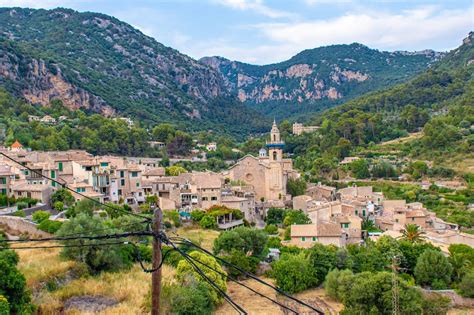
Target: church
269, 172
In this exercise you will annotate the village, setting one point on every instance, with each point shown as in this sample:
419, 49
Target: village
253, 185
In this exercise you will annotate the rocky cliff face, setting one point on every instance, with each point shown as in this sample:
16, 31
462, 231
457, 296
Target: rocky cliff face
97, 62
40, 84
323, 74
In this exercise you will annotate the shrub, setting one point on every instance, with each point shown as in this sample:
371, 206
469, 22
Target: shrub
4, 306
13, 283
97, 258
173, 216
197, 215
177, 299
50, 226
64, 196
241, 260
247, 240
58, 206
186, 274
274, 242
21, 205
271, 229
433, 269
435, 304
466, 286
337, 283
19, 213
275, 216
208, 222
293, 273
40, 215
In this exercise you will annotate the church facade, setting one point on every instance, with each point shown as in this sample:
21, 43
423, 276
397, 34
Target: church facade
269, 172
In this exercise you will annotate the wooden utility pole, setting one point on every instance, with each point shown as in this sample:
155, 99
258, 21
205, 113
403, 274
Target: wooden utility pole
156, 275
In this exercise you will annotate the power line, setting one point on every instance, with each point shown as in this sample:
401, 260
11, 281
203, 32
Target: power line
96, 237
248, 274
242, 284
72, 190
237, 307
65, 246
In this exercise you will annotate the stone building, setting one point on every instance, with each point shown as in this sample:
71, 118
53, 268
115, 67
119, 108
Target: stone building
267, 174
298, 128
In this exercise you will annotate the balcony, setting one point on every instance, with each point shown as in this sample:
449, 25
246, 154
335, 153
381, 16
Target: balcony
230, 224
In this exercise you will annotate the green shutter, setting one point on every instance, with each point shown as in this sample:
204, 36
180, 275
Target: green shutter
303, 239
60, 166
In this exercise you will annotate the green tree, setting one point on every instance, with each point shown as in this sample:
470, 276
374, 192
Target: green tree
97, 257
296, 187
413, 233
4, 306
247, 240
271, 229
58, 206
295, 217
466, 286
337, 283
186, 273
293, 273
193, 299
275, 215
323, 259
360, 169
371, 293
208, 222
13, 283
62, 195
433, 268
50, 226
175, 170
40, 215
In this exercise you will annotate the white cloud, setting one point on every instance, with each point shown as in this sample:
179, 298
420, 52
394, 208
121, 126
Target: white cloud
415, 28
255, 5
35, 4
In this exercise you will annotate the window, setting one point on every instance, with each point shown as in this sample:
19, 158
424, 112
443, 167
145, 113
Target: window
363, 213
53, 174
396, 220
134, 174
138, 184
413, 219
314, 239
303, 238
81, 189
3, 191
60, 166
104, 164
357, 212
3, 180
122, 182
214, 198
122, 174
120, 192
204, 198
27, 172
345, 225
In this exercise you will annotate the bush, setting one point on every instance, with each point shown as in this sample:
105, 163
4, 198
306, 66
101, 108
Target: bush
97, 258
435, 304
208, 222
274, 242
239, 259
173, 216
197, 215
337, 283
50, 226
19, 213
58, 206
21, 205
4, 306
271, 229
466, 286
13, 283
293, 273
247, 240
433, 269
63, 195
191, 299
275, 216
186, 274
40, 215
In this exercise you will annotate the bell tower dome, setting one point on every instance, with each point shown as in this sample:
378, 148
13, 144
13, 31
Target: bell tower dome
275, 145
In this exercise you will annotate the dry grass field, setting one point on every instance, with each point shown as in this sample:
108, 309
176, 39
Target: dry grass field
204, 237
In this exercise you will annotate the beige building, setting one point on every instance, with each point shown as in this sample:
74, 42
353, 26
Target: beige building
327, 233
267, 175
298, 128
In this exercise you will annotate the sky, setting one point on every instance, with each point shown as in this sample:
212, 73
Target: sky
269, 31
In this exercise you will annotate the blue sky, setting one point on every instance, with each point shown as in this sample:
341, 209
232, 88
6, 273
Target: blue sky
266, 31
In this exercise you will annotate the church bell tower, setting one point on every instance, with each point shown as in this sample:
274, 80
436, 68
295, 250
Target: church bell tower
275, 145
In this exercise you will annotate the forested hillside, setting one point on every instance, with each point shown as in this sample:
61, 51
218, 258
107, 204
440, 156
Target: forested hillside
319, 78
98, 63
439, 102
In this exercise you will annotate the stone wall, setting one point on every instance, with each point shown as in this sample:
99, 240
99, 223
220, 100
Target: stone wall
18, 226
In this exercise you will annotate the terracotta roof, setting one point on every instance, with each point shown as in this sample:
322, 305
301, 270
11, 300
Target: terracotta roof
159, 171
416, 214
16, 145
